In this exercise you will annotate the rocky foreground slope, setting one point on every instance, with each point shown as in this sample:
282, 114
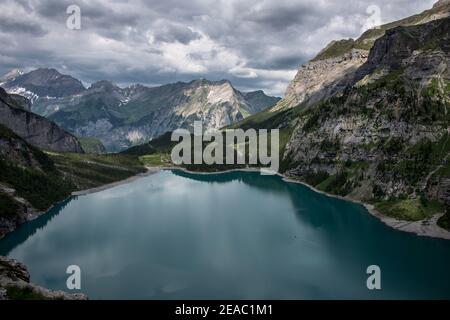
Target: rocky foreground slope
15, 285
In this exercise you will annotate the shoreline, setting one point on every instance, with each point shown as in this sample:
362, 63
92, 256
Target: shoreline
33, 215
424, 228
150, 171
430, 229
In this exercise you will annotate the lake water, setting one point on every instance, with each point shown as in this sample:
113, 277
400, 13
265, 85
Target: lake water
238, 235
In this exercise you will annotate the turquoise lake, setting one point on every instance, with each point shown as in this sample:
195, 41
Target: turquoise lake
236, 235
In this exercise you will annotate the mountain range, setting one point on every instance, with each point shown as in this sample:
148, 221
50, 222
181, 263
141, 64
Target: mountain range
121, 117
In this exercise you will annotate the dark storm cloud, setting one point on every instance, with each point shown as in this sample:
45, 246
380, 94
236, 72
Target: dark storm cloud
172, 33
284, 16
48, 8
96, 14
281, 63
255, 44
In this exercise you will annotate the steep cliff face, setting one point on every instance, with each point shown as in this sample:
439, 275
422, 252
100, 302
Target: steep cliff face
334, 67
441, 3
121, 117
29, 181
15, 210
33, 128
399, 44
386, 138
320, 79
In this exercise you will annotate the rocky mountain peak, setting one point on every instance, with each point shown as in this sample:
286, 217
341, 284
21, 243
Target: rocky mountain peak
259, 100
43, 76
205, 82
12, 74
44, 82
123, 117
103, 85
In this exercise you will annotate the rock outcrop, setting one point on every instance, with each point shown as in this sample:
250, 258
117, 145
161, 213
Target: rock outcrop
15, 285
320, 79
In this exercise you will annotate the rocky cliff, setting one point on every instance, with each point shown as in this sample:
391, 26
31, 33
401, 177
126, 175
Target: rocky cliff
322, 78
29, 181
333, 68
33, 128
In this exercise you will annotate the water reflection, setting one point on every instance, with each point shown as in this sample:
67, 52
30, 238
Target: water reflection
26, 230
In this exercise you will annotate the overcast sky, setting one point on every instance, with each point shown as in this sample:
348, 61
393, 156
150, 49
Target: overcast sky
254, 44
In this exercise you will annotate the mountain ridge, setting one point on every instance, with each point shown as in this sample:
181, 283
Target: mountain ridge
333, 68
122, 117
43, 82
